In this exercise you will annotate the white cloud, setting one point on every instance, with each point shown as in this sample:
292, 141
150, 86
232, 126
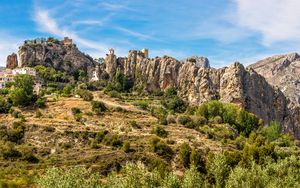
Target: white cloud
49, 25
276, 20
135, 34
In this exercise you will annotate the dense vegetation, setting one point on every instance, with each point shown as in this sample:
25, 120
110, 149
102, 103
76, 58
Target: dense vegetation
249, 153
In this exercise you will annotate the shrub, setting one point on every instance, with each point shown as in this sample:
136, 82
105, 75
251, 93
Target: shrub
78, 117
134, 124
22, 94
183, 119
49, 129
142, 104
199, 121
38, 114
161, 114
126, 146
40, 102
98, 107
85, 94
75, 177
173, 102
272, 132
75, 110
113, 94
161, 148
8, 151
4, 105
160, 131
16, 132
112, 140
171, 119
216, 120
184, 154
192, 178
67, 90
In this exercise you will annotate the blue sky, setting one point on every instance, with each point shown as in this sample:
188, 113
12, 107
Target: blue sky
222, 30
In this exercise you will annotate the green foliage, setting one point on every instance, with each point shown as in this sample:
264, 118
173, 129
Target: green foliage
272, 132
85, 94
193, 178
4, 105
8, 151
220, 169
40, 102
77, 177
112, 140
120, 83
126, 146
75, 110
217, 112
161, 114
142, 104
98, 107
160, 131
38, 114
172, 102
22, 94
134, 124
67, 90
183, 119
161, 148
184, 154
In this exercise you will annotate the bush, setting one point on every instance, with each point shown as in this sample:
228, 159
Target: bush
134, 124
126, 146
171, 119
4, 105
199, 121
16, 132
183, 119
216, 120
184, 154
142, 104
172, 102
112, 140
76, 177
67, 90
161, 148
98, 107
85, 94
161, 114
272, 132
38, 114
8, 151
40, 102
22, 94
75, 110
49, 129
160, 131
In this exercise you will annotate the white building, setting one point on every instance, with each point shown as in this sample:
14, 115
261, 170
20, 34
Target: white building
24, 70
95, 76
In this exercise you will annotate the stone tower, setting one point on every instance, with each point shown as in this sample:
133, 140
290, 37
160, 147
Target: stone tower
111, 63
145, 51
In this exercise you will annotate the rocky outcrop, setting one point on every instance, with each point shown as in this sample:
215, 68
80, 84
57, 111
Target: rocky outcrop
59, 55
197, 84
199, 61
283, 71
12, 61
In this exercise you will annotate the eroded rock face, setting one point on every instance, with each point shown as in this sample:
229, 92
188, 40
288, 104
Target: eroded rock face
283, 71
57, 55
197, 84
12, 61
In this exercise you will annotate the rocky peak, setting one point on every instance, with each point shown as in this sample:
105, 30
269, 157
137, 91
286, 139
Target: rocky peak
12, 61
197, 84
61, 55
199, 61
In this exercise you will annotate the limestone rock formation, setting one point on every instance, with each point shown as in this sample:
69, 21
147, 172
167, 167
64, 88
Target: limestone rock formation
197, 84
199, 61
283, 71
12, 61
57, 54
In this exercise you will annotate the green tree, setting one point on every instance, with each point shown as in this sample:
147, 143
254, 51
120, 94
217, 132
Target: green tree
184, 154
22, 93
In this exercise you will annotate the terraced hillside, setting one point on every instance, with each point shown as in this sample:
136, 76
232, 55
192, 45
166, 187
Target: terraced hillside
55, 136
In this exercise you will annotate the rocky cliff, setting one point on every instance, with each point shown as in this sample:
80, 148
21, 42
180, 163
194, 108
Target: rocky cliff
197, 84
56, 54
12, 61
283, 71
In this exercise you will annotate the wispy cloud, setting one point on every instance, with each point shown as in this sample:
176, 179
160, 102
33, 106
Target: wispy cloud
275, 20
49, 25
135, 34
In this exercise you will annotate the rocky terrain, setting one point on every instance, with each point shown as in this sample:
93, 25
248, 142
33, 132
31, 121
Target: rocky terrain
268, 88
12, 61
56, 54
282, 71
197, 84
